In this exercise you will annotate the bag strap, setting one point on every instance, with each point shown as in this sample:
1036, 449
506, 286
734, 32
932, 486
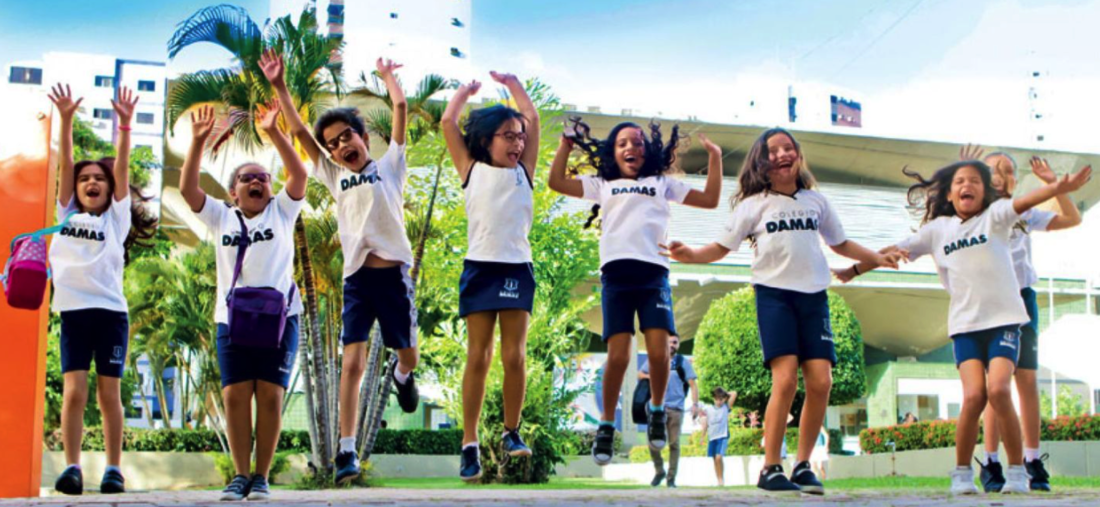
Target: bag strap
241, 248
37, 235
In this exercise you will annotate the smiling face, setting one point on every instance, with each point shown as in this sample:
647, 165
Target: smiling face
347, 147
673, 344
784, 161
251, 189
93, 188
1004, 174
508, 143
967, 192
630, 151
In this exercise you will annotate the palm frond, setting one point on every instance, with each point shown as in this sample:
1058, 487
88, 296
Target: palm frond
380, 121
225, 25
190, 90
429, 86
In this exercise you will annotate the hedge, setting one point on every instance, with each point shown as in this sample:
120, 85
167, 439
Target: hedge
937, 434
743, 442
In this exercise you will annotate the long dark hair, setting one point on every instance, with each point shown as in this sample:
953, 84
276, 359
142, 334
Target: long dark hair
754, 170
143, 225
932, 193
660, 158
482, 124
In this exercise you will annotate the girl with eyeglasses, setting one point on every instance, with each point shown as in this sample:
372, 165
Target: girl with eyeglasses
495, 154
250, 372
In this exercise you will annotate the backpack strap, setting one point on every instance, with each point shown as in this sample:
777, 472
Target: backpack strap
37, 235
242, 247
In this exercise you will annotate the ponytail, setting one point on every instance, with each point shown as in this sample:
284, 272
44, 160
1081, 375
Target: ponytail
593, 216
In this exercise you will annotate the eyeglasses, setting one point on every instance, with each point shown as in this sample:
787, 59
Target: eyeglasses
250, 177
344, 137
512, 137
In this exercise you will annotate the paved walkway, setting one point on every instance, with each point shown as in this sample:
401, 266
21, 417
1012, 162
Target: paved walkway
500, 497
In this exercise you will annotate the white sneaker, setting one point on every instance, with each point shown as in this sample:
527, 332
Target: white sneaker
962, 482
1016, 480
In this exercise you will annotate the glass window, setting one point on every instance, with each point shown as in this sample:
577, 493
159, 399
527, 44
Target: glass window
102, 114
145, 118
147, 86
104, 81
25, 75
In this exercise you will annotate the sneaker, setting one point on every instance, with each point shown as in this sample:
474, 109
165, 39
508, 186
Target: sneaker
237, 489
773, 479
470, 467
347, 467
962, 482
513, 444
408, 396
671, 481
604, 445
803, 476
655, 429
257, 489
992, 476
70, 482
1040, 479
658, 478
112, 483
1016, 480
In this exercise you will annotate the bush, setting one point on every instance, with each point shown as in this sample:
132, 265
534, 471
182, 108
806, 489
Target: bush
743, 442
224, 463
436, 442
938, 434
583, 444
728, 354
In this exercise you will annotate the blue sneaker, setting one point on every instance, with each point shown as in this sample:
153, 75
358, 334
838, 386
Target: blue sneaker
513, 444
603, 447
70, 482
655, 429
470, 467
347, 467
237, 489
112, 483
257, 489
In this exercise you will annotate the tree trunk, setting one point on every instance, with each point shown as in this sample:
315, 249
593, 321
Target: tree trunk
144, 399
311, 415
320, 371
158, 384
418, 257
368, 392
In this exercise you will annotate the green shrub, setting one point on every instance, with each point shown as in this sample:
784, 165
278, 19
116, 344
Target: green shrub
419, 441
743, 442
582, 446
939, 434
728, 354
224, 464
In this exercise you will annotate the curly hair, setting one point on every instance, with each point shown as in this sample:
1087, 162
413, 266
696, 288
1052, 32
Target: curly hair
482, 124
754, 170
348, 115
932, 194
143, 225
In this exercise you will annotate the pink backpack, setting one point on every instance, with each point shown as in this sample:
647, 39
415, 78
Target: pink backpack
25, 274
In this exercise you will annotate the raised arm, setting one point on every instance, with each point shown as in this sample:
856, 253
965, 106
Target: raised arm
271, 63
1068, 214
62, 98
530, 155
201, 126
397, 96
460, 156
680, 252
710, 195
560, 181
124, 109
1060, 186
296, 174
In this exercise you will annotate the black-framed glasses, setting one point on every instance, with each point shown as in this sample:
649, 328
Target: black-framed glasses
250, 177
344, 137
512, 137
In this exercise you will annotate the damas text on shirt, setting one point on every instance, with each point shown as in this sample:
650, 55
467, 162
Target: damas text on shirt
980, 239
650, 191
82, 233
257, 236
359, 179
804, 221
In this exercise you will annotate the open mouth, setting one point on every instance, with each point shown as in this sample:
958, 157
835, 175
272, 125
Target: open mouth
93, 193
350, 156
255, 193
513, 156
967, 196
631, 159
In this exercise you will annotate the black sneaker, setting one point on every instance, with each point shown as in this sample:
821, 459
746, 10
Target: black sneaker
803, 476
408, 396
655, 429
603, 448
347, 467
671, 481
992, 476
513, 445
257, 488
470, 467
70, 482
1040, 478
237, 489
112, 483
658, 478
773, 479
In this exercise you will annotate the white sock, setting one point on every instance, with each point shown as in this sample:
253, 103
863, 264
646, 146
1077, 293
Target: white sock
401, 378
1031, 454
112, 467
347, 444
964, 467
991, 457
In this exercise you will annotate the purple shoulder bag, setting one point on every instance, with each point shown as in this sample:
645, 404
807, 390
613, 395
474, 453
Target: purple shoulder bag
257, 316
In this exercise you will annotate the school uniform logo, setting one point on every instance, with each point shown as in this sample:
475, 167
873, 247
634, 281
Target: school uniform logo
82, 233
511, 289
666, 300
118, 352
650, 191
257, 237
359, 179
957, 245
827, 333
1009, 339
287, 362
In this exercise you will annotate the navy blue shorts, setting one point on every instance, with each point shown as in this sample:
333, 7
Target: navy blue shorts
639, 288
94, 334
717, 447
986, 344
385, 295
1029, 333
491, 286
794, 323
243, 364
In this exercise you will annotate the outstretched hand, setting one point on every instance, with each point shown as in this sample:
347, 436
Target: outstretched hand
386, 67
971, 152
62, 98
675, 250
470, 88
271, 63
1041, 169
1073, 182
709, 145
504, 78
270, 121
124, 106
203, 124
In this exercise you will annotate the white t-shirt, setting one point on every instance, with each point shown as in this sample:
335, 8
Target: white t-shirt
718, 421
87, 257
1020, 238
974, 261
635, 215
269, 261
500, 208
370, 208
788, 248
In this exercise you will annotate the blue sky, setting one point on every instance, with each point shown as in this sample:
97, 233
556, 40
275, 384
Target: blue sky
937, 69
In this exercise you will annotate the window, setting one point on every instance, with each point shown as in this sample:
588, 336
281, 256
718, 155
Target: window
25, 75
147, 86
393, 15
101, 114
145, 118
457, 54
104, 81
457, 22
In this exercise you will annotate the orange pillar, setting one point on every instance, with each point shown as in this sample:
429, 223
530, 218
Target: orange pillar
27, 180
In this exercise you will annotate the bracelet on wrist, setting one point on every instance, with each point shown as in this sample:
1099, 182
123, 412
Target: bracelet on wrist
124, 128
855, 268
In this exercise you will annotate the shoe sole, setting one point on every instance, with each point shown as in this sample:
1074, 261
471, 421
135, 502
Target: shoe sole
812, 490
470, 479
964, 493
258, 498
520, 454
232, 498
111, 491
344, 480
601, 461
1040, 487
780, 491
